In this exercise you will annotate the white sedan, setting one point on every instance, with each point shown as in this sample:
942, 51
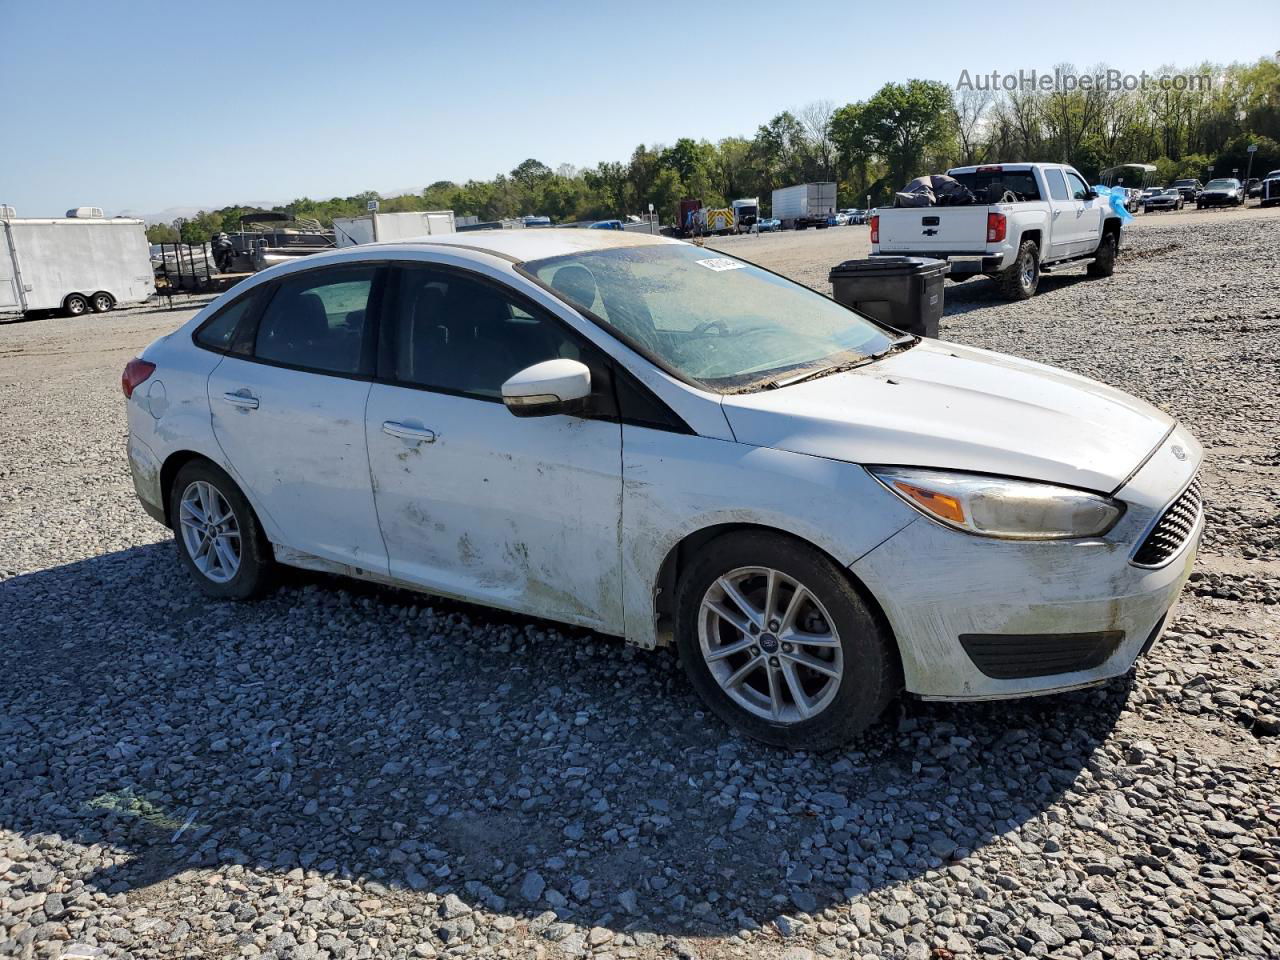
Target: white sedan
672, 445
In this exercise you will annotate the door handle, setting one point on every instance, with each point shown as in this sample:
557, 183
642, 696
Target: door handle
403, 431
241, 399
1057, 214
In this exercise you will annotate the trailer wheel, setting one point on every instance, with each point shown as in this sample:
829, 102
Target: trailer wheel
75, 305
102, 302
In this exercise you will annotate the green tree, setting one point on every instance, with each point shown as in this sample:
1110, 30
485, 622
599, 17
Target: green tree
905, 123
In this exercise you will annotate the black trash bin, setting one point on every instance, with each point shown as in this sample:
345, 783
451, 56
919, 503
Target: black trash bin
903, 292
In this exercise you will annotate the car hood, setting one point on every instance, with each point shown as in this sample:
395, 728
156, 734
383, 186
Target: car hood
951, 407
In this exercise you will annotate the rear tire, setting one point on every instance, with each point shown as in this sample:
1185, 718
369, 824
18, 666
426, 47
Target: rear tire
75, 305
1104, 258
1020, 280
855, 670
219, 539
102, 302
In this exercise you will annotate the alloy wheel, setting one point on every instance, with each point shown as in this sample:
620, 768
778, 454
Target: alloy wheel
770, 644
210, 531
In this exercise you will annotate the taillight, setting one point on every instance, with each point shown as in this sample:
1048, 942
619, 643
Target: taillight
996, 227
875, 228
135, 374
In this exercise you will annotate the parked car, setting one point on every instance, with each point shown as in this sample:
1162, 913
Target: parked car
1056, 219
1270, 188
1253, 187
1132, 199
1190, 189
1150, 192
653, 440
1168, 199
838, 219
857, 216
1223, 192
606, 225
768, 225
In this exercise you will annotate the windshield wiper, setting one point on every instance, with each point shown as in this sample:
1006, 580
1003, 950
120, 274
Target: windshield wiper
902, 343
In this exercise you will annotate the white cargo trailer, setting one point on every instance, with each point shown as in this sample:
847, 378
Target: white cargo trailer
75, 263
374, 227
804, 205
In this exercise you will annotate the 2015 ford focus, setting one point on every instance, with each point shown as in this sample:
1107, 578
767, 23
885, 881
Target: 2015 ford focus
656, 441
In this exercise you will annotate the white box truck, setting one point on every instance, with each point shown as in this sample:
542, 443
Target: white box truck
805, 205
75, 264
375, 227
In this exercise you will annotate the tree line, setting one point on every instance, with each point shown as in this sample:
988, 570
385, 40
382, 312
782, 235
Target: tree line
870, 148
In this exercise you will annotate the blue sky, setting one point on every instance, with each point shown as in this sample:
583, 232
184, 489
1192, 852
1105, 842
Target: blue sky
128, 104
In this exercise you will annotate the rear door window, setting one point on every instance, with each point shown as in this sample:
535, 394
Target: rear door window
1057, 184
317, 321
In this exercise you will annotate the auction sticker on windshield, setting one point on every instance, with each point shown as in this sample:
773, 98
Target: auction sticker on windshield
720, 263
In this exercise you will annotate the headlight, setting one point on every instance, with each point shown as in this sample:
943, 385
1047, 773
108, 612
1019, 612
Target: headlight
996, 507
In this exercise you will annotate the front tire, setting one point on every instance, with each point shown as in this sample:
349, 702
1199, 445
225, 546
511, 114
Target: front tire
1104, 258
779, 644
75, 305
219, 539
1020, 280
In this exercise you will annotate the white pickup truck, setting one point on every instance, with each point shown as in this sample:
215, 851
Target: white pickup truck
1055, 220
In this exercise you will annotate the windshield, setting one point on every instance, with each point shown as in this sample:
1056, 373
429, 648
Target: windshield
1184, 183
1223, 184
718, 321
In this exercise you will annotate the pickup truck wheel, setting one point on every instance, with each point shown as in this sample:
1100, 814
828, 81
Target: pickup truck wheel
1019, 281
779, 644
1104, 258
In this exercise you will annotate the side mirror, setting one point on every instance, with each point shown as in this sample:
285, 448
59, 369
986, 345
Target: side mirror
1090, 195
548, 388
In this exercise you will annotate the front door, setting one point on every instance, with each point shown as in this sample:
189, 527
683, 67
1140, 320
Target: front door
520, 513
290, 417
1088, 219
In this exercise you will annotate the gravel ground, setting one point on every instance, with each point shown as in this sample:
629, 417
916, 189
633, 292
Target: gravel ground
347, 771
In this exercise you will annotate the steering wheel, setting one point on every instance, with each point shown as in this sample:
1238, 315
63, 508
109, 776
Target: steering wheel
720, 326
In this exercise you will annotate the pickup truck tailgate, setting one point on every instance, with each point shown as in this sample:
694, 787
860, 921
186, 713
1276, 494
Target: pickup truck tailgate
961, 229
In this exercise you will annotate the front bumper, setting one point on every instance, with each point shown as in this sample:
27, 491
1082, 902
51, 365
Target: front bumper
938, 585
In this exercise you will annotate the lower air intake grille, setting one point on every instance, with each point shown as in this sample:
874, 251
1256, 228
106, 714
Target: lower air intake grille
1171, 531
1012, 656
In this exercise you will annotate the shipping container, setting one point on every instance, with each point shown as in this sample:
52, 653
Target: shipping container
375, 227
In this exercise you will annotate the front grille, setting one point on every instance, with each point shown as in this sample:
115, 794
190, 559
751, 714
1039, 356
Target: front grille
1172, 530
1007, 656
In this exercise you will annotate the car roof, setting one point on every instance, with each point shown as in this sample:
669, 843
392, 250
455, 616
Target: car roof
534, 243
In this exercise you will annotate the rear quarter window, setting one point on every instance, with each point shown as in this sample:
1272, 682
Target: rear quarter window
218, 332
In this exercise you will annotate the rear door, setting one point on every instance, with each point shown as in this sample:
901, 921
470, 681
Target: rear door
520, 513
288, 412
